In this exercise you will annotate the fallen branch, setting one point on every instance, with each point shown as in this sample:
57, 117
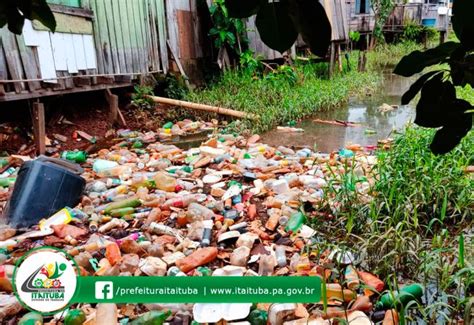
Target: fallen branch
337, 122
203, 107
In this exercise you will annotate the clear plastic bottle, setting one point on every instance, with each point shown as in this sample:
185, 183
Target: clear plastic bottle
280, 254
198, 212
123, 171
164, 182
106, 314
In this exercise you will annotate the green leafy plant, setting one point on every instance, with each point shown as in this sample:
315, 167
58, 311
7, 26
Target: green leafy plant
439, 107
141, 97
382, 10
279, 23
227, 31
249, 64
284, 73
14, 13
354, 36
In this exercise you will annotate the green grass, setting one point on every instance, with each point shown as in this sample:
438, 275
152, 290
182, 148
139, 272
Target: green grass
411, 227
386, 56
278, 100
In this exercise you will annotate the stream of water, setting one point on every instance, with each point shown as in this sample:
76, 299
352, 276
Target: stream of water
365, 111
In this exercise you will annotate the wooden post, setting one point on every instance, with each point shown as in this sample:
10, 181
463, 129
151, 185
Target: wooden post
442, 37
39, 127
332, 59
339, 57
114, 113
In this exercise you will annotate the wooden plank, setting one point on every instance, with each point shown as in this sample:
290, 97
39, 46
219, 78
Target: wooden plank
132, 35
79, 51
162, 33
113, 106
101, 16
49, 93
127, 42
172, 26
180, 67
98, 47
89, 49
39, 127
144, 26
29, 63
70, 53
119, 36
3, 68
154, 44
112, 35
29, 34
59, 51
185, 34
13, 59
136, 24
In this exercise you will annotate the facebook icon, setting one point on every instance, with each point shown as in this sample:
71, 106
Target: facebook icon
104, 290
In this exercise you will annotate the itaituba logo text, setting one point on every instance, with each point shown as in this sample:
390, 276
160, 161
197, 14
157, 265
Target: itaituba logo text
46, 280
44, 284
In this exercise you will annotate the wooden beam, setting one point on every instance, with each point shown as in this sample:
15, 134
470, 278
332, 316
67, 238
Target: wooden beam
178, 63
39, 127
203, 107
114, 114
332, 59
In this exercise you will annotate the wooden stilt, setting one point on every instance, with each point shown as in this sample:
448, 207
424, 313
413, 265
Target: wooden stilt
114, 113
339, 57
332, 59
39, 127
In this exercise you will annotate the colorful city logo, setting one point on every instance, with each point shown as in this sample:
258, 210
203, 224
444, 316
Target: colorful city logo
51, 286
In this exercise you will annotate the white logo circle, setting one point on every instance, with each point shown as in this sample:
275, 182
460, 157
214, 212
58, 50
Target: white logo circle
46, 281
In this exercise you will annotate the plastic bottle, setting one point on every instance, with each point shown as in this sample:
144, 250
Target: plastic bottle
371, 281
62, 217
164, 182
10, 171
351, 277
76, 156
112, 253
101, 164
295, 222
32, 318
127, 203
207, 233
106, 314
6, 274
266, 265
404, 296
391, 317
240, 256
183, 201
75, 317
198, 212
334, 291
175, 271
123, 171
280, 253
112, 193
257, 317
7, 182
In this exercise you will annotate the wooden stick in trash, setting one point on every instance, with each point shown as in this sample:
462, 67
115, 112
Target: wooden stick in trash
203, 107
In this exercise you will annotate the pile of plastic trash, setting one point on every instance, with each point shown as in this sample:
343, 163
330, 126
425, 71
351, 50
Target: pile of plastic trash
231, 207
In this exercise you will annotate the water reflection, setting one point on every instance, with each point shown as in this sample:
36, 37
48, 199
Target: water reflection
328, 138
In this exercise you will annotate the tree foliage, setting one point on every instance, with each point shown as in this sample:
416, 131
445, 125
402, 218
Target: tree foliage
14, 13
382, 10
279, 23
439, 106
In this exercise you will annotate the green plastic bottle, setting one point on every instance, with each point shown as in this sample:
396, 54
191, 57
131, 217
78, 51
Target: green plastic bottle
168, 125
122, 212
257, 317
127, 203
296, 222
6, 182
404, 296
153, 317
76, 156
75, 317
31, 319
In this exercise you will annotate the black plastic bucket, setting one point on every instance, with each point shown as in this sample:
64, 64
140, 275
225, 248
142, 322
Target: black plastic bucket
43, 187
